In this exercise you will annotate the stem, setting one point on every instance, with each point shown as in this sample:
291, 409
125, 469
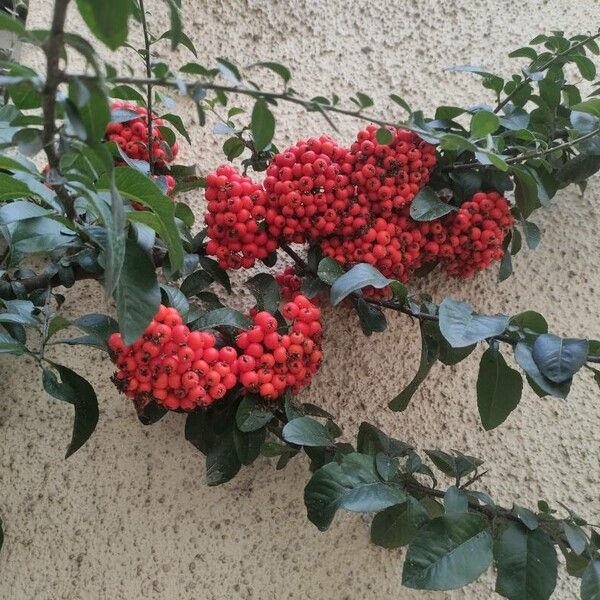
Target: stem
148, 86
208, 85
545, 66
401, 308
530, 155
53, 48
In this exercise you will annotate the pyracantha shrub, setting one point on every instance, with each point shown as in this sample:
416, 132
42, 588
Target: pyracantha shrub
270, 361
175, 367
132, 135
235, 218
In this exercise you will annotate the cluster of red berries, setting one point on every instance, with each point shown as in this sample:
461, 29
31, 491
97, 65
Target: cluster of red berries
235, 217
289, 283
355, 203
307, 192
475, 234
132, 136
270, 362
176, 367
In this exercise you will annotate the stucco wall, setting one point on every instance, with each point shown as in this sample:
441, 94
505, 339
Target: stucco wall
129, 515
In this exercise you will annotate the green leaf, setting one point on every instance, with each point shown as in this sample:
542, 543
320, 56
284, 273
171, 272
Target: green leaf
171, 296
221, 317
372, 319
137, 293
281, 70
524, 358
591, 106
12, 188
98, 327
262, 125
179, 37
20, 210
427, 206
526, 517
136, 186
530, 320
358, 277
8, 23
248, 445
373, 441
176, 121
195, 283
585, 65
250, 415
579, 169
499, 389
463, 327
429, 355
484, 123
75, 390
398, 525
590, 581
229, 71
559, 358
8, 345
384, 136
575, 537
533, 234
222, 462
401, 102
216, 272
449, 552
305, 431
453, 466
455, 501
107, 20
526, 562
329, 270
353, 484
266, 291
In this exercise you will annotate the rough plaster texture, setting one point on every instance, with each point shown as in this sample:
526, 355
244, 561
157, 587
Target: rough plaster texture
129, 515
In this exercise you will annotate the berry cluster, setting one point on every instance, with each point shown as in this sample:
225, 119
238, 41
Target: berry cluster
270, 362
132, 136
476, 233
235, 217
289, 283
307, 193
176, 367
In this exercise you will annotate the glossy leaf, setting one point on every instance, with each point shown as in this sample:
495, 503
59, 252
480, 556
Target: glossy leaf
559, 358
427, 206
305, 431
358, 277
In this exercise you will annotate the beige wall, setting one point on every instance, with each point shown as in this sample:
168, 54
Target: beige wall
129, 515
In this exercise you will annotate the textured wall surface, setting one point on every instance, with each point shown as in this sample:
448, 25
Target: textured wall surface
129, 515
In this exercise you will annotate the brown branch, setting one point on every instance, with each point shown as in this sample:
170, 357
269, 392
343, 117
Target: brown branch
54, 76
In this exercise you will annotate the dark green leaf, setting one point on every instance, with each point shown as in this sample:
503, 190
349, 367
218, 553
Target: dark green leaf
578, 169
372, 441
329, 270
575, 536
526, 517
590, 581
585, 65
448, 552
176, 121
137, 294
401, 102
372, 319
251, 415
75, 390
524, 358
248, 445
559, 358
305, 431
499, 389
281, 70
98, 327
455, 501
107, 20
266, 291
463, 327
526, 563
427, 206
453, 466
222, 317
384, 136
484, 123
195, 283
353, 484
171, 296
398, 525
262, 125
429, 355
530, 320
358, 277
222, 462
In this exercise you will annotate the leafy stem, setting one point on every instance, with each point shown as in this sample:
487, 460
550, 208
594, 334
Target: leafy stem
148, 85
